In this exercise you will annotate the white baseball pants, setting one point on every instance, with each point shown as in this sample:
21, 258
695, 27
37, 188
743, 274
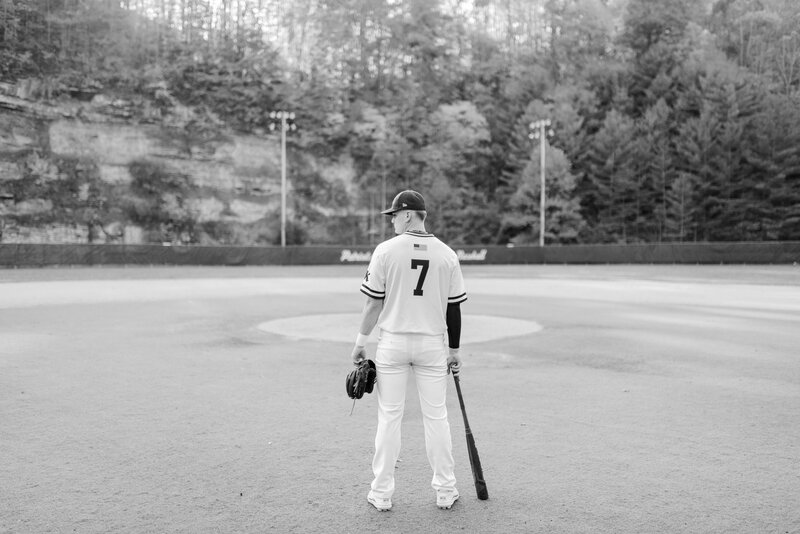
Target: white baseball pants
425, 355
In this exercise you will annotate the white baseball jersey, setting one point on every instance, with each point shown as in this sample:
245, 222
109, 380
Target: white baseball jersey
417, 276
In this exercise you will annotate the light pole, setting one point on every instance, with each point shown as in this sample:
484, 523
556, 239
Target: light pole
286, 119
539, 130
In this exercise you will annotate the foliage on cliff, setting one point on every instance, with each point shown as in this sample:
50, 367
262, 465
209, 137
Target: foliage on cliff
673, 120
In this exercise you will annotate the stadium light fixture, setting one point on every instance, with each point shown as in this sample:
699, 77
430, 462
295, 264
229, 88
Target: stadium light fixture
540, 129
286, 121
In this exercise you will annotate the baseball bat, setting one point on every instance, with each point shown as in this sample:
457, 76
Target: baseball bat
474, 459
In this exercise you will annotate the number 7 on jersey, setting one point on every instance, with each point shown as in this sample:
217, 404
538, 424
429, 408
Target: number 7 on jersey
424, 264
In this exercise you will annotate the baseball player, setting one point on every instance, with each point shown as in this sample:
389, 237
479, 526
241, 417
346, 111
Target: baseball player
414, 289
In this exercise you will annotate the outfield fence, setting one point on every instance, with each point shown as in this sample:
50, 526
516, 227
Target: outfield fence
41, 255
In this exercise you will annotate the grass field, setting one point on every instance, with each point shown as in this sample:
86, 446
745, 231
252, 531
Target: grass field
647, 399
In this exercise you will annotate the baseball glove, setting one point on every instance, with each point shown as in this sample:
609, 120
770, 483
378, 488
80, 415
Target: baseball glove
361, 379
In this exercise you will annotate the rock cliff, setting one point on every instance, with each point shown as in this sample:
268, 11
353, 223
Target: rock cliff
235, 179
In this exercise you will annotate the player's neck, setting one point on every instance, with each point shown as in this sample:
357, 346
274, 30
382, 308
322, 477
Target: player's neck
416, 229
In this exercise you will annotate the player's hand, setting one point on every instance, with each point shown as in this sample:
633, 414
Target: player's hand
359, 354
454, 362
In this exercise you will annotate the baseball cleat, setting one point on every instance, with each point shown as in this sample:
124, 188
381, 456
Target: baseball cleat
382, 504
446, 498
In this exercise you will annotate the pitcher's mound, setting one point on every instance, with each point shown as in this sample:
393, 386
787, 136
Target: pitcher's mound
344, 326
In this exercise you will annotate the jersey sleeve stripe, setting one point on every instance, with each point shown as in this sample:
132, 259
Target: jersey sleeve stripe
457, 299
368, 291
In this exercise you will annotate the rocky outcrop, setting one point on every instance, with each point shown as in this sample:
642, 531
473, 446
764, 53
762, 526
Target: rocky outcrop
236, 178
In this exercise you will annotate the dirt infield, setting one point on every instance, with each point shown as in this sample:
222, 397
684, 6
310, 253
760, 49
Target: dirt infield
653, 399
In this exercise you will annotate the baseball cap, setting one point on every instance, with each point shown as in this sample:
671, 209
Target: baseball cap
406, 200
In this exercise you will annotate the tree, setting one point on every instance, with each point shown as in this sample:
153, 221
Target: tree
776, 150
655, 173
29, 38
563, 221
580, 32
458, 138
655, 33
609, 182
714, 147
160, 203
762, 36
239, 90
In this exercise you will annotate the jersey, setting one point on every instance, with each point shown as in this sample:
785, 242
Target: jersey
417, 276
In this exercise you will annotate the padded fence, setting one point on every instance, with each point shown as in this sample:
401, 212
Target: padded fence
40, 255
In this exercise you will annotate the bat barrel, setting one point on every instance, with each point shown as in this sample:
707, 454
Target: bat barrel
472, 450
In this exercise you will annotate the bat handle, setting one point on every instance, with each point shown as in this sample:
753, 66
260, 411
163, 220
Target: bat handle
461, 402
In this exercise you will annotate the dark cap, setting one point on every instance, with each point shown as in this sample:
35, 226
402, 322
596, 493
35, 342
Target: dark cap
406, 200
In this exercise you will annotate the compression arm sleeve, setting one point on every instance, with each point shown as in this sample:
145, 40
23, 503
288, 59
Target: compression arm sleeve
454, 325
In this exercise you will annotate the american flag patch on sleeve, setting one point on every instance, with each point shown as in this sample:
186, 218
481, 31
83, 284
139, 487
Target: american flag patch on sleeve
418, 246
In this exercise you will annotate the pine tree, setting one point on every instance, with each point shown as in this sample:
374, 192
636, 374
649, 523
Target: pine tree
610, 181
655, 173
776, 143
563, 221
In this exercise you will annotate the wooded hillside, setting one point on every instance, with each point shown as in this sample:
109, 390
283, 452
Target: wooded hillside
672, 120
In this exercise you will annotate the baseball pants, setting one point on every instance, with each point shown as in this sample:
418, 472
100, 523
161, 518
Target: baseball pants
397, 355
